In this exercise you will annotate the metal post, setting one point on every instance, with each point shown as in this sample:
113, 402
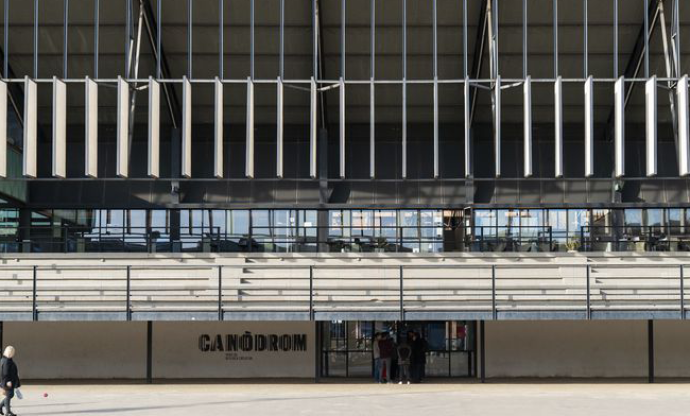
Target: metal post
482, 352
35, 38
96, 34
128, 307
220, 293
149, 352
6, 30
650, 349
494, 313
65, 28
34, 311
589, 305
402, 305
221, 39
189, 38
682, 292
311, 293
318, 351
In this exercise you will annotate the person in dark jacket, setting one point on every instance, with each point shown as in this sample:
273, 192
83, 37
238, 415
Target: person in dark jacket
9, 378
419, 349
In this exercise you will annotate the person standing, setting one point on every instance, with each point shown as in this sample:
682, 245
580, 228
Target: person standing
386, 351
9, 377
419, 348
404, 359
377, 356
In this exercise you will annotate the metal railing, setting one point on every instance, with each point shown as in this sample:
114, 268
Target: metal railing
353, 239
635, 238
398, 291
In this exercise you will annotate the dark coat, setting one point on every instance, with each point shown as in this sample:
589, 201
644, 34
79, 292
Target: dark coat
419, 349
386, 348
9, 372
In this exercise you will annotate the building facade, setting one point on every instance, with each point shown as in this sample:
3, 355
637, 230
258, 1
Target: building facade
263, 185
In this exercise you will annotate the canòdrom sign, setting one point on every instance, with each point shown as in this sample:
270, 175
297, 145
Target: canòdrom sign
248, 342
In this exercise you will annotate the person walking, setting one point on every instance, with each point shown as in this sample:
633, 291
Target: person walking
404, 359
9, 377
377, 356
386, 351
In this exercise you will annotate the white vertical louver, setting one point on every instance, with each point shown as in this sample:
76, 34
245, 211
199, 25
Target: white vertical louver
122, 165
650, 126
558, 126
30, 128
589, 127
186, 164
218, 129
313, 129
280, 126
249, 145
154, 128
3, 129
91, 128
527, 126
497, 126
683, 132
59, 128
619, 127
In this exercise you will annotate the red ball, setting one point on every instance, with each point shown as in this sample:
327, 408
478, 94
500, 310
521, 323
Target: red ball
45, 394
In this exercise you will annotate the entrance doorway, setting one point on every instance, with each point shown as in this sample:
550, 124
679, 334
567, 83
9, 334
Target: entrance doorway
347, 347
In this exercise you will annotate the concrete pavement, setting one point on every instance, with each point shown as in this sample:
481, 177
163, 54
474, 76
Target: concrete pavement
359, 399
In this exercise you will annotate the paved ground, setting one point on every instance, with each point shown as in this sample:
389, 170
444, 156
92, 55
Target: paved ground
359, 399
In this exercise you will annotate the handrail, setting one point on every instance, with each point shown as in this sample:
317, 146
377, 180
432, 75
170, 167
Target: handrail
495, 293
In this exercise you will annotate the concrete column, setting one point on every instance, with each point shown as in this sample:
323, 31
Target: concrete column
650, 349
482, 350
149, 352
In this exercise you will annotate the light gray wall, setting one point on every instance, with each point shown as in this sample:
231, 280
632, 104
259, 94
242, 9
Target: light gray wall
176, 353
566, 349
78, 350
672, 348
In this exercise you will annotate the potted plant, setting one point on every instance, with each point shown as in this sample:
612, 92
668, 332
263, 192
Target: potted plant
573, 245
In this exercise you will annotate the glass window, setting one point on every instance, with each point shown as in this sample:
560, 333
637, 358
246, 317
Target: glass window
485, 223
558, 221
360, 335
675, 221
238, 223
633, 223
